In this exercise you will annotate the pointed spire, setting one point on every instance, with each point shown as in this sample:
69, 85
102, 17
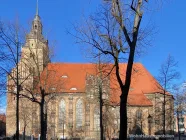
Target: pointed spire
37, 12
37, 9
36, 23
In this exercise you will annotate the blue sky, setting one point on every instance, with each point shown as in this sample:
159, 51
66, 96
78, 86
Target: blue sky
59, 15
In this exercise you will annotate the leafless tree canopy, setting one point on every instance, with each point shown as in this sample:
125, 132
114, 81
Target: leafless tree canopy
168, 73
103, 34
167, 76
23, 64
11, 41
115, 33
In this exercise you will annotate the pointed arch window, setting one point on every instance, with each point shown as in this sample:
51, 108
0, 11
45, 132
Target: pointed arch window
139, 114
35, 26
62, 113
79, 114
96, 119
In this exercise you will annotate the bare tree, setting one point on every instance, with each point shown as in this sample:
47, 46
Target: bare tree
26, 69
167, 75
97, 86
11, 41
103, 93
110, 123
2, 91
98, 90
115, 32
45, 85
179, 105
25, 116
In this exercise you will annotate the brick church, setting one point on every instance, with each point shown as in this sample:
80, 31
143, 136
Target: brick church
72, 104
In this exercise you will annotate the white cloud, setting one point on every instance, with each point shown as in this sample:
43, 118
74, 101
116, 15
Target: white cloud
2, 110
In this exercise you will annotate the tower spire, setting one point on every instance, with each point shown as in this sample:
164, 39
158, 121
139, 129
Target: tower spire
37, 9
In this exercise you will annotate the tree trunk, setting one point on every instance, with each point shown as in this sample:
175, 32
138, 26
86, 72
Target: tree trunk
101, 110
123, 116
17, 94
42, 123
178, 125
164, 105
124, 95
42, 117
17, 113
45, 121
24, 131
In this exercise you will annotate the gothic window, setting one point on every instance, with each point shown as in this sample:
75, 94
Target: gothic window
35, 26
79, 114
62, 114
96, 119
138, 114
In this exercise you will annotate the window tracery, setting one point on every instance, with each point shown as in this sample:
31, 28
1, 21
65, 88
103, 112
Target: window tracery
79, 114
62, 114
139, 114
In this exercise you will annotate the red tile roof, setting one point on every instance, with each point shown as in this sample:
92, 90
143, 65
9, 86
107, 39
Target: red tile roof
74, 75
138, 100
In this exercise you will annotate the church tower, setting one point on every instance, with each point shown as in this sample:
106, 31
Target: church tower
36, 48
34, 58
